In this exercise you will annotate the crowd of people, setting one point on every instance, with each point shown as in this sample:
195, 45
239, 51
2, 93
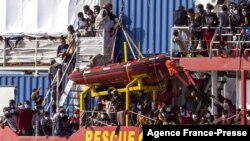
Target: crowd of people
198, 38
25, 121
99, 22
90, 23
110, 111
146, 111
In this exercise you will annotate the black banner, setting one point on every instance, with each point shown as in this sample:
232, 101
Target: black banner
162, 132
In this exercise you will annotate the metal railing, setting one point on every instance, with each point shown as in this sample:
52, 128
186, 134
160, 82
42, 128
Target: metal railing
78, 52
33, 52
37, 52
211, 47
90, 46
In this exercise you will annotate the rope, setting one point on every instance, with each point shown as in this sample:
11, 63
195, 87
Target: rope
134, 45
155, 70
117, 29
129, 43
127, 72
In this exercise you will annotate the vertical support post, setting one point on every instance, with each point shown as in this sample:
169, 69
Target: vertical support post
103, 44
127, 105
140, 84
154, 96
37, 45
58, 88
225, 90
139, 48
127, 101
4, 53
214, 90
243, 97
125, 52
237, 89
171, 43
77, 65
82, 107
82, 94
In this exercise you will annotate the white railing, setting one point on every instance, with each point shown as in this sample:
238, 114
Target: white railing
39, 52
86, 47
211, 48
32, 52
90, 46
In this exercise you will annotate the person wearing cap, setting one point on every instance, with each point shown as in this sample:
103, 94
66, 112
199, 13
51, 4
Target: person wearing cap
36, 121
24, 120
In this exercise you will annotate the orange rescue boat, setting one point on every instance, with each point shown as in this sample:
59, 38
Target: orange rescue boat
120, 74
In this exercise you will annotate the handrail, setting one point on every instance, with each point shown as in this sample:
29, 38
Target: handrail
37, 49
48, 92
213, 40
211, 43
55, 78
205, 27
64, 73
95, 120
41, 35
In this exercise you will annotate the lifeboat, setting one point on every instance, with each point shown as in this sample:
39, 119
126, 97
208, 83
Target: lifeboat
120, 74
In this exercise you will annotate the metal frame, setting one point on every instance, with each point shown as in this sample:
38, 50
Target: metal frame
35, 58
135, 85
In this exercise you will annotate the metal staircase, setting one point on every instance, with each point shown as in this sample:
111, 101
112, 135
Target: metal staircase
87, 47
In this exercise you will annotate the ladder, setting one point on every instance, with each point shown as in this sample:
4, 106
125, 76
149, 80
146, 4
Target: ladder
86, 48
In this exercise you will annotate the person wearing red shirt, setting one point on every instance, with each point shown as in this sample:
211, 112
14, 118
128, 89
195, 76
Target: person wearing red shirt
24, 120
